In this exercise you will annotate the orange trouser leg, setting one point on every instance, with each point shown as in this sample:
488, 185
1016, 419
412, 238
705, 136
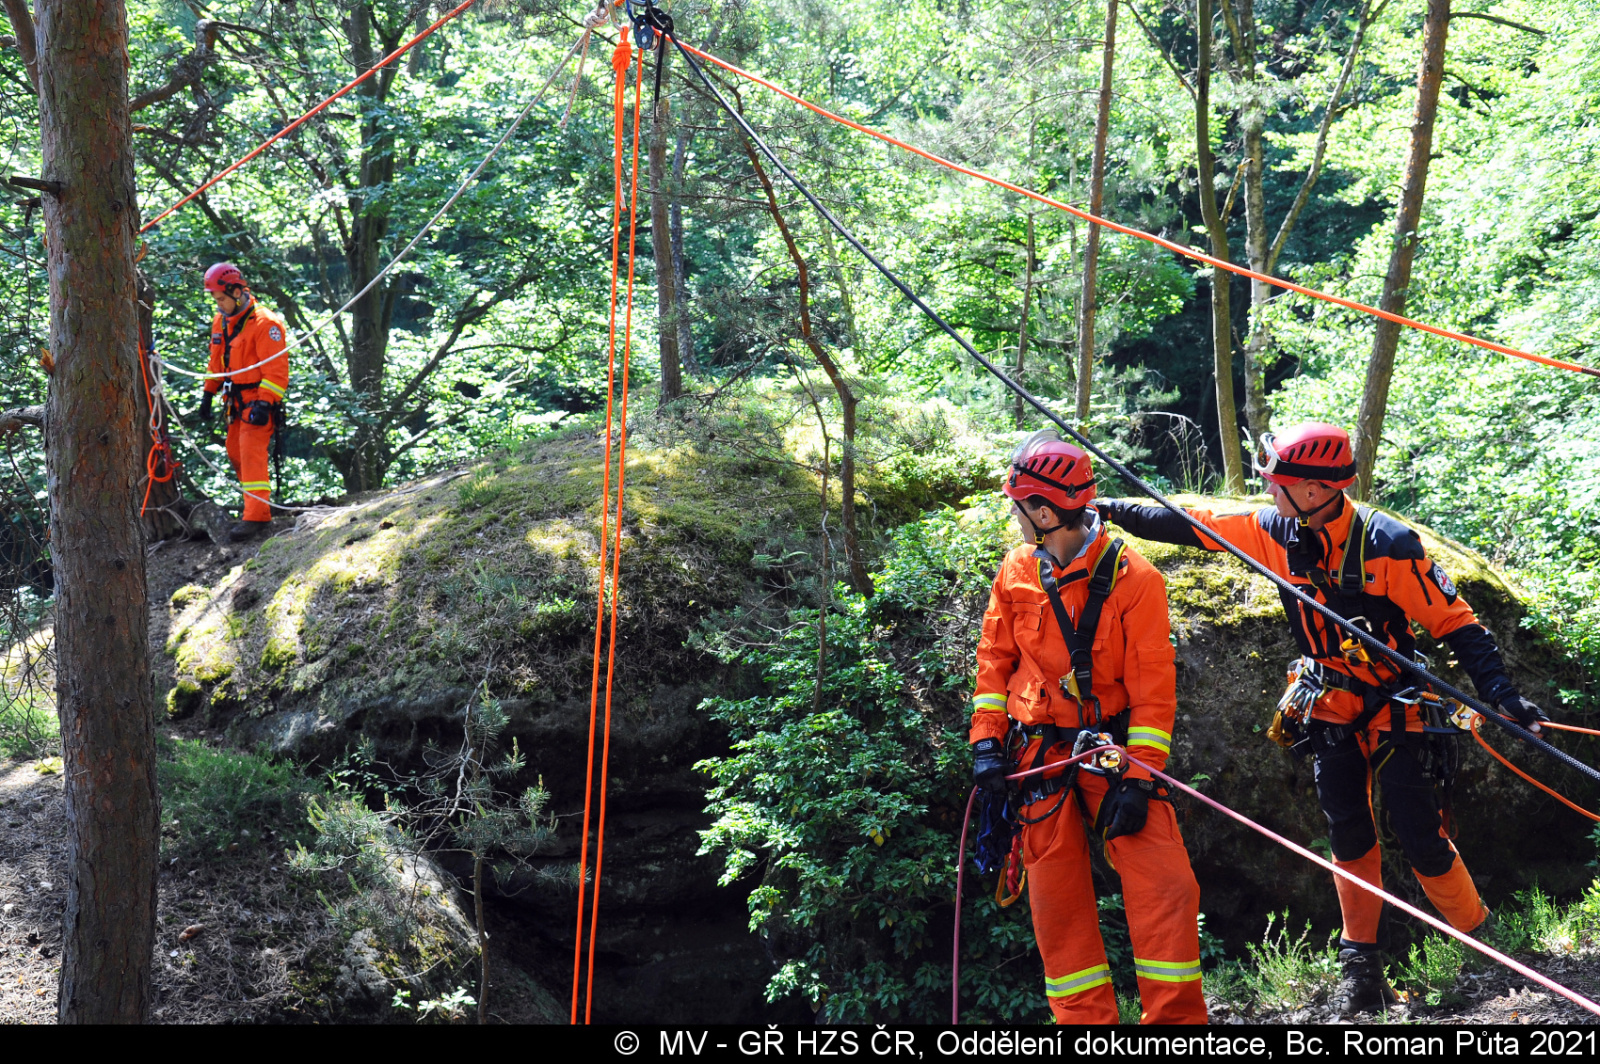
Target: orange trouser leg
248, 451
1455, 896
1361, 908
1066, 922
1162, 900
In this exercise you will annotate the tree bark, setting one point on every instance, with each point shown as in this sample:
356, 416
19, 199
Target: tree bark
661, 242
1217, 228
94, 450
1097, 187
1386, 339
680, 267
859, 578
27, 40
1018, 413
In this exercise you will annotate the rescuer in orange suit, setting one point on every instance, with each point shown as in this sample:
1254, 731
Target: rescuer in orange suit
248, 342
1371, 569
1122, 683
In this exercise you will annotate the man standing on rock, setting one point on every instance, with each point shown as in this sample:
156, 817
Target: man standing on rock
248, 343
1363, 724
1076, 642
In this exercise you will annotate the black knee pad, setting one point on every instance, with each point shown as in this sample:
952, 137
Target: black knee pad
1413, 808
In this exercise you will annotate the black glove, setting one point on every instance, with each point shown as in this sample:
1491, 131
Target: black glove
1124, 809
1111, 510
205, 405
989, 765
1521, 710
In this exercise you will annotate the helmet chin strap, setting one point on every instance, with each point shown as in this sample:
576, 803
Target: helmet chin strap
1305, 516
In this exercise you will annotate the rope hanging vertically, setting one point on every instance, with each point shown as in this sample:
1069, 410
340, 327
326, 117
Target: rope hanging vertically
303, 119
610, 547
1176, 248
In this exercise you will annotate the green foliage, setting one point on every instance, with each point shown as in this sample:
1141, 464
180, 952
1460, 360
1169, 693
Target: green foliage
215, 802
850, 808
1284, 972
1432, 968
29, 727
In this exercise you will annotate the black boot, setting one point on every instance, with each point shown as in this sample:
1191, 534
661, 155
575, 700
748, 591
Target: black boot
1363, 987
248, 530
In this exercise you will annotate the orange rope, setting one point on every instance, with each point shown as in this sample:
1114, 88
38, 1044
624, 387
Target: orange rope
620, 61
1477, 722
154, 457
1568, 727
298, 122
1179, 249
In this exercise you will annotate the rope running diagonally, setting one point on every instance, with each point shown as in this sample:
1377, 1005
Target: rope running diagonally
438, 215
157, 391
303, 119
620, 61
1406, 666
1170, 245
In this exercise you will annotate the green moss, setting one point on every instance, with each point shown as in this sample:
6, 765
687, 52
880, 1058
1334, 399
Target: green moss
278, 655
183, 699
213, 671
187, 595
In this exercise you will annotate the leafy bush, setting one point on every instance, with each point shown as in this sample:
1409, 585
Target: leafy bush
1432, 968
850, 805
216, 801
1287, 973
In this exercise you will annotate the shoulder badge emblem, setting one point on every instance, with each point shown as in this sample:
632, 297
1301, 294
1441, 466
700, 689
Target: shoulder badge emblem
275, 333
1443, 581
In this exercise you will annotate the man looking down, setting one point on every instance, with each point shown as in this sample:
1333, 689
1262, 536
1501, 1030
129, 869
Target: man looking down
1076, 637
1372, 569
248, 343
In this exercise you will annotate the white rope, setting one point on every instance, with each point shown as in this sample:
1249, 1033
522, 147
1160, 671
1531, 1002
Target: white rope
438, 215
157, 392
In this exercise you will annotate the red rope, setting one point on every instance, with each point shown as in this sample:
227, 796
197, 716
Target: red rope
1477, 721
620, 61
1568, 727
1176, 248
298, 122
1411, 910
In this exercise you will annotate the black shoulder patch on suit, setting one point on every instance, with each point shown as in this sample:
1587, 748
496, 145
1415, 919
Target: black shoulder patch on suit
1283, 530
1389, 538
1442, 581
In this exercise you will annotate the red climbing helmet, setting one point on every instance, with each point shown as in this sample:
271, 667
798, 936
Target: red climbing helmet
1312, 451
1046, 466
223, 276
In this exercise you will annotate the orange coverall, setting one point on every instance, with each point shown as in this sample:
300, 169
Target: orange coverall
1021, 656
1402, 584
248, 337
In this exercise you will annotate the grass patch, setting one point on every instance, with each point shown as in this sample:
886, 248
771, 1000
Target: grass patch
215, 802
1432, 968
28, 727
1283, 973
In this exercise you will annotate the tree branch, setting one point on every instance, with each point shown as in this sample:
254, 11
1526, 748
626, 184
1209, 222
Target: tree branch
27, 39
12, 420
186, 71
1496, 19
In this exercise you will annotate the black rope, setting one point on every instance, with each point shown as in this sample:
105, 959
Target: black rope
1406, 665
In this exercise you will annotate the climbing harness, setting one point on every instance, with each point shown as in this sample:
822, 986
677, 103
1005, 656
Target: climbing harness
1407, 667
1078, 683
1176, 248
1287, 589
621, 59
1343, 873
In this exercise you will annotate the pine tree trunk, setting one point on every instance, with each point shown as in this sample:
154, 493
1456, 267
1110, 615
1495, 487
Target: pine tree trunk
1217, 228
661, 243
1097, 188
1018, 413
1252, 125
94, 452
1386, 339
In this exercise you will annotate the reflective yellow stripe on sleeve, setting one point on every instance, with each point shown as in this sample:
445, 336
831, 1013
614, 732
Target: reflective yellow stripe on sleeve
990, 703
1078, 982
269, 386
1141, 736
1167, 971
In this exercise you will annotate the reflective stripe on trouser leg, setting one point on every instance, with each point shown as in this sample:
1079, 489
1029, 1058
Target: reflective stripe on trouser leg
1455, 896
249, 449
1065, 919
1162, 900
1361, 909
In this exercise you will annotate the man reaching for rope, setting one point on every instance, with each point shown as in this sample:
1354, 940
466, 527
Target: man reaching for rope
246, 335
1371, 569
1076, 637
